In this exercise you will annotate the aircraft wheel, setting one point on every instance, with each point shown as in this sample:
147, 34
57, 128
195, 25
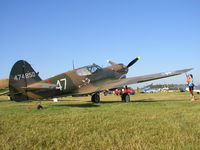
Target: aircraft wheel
96, 98
39, 107
125, 97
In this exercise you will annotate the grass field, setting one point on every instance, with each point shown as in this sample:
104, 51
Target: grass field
160, 121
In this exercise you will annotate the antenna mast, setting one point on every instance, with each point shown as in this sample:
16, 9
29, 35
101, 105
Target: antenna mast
73, 64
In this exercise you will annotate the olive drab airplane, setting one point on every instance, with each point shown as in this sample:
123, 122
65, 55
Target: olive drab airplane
25, 84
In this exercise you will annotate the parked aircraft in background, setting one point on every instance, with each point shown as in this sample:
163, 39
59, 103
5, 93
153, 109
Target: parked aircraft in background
153, 90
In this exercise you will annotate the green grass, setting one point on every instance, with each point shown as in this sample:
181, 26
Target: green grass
160, 121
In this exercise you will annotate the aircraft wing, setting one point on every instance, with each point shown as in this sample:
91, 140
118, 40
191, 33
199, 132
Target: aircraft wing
145, 78
4, 94
111, 84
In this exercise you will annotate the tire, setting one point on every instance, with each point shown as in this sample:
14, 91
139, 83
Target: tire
105, 93
125, 98
39, 107
95, 98
122, 98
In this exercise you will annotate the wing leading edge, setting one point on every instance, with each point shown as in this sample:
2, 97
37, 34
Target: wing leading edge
145, 78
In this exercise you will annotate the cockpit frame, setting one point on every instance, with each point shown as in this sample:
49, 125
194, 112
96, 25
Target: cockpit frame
88, 70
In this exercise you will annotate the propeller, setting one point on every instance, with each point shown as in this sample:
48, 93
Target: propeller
129, 65
133, 62
111, 62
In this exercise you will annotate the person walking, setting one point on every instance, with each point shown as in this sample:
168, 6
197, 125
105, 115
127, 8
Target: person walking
191, 86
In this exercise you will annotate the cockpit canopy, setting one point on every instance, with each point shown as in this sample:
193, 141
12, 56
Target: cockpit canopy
88, 70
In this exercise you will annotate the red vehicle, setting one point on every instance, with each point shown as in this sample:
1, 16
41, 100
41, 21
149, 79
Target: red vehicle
123, 90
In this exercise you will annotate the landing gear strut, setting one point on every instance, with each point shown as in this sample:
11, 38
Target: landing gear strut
95, 98
125, 97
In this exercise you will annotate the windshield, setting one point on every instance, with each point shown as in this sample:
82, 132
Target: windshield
88, 70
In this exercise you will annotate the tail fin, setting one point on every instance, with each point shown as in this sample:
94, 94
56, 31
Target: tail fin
21, 75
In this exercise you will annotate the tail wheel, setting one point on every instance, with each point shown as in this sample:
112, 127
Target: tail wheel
125, 97
95, 98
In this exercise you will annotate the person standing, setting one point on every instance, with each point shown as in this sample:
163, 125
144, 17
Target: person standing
191, 86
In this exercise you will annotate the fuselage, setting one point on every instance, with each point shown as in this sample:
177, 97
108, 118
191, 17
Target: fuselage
81, 80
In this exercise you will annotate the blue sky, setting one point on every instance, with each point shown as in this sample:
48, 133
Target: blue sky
50, 34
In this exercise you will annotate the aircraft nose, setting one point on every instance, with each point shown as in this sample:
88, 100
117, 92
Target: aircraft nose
124, 69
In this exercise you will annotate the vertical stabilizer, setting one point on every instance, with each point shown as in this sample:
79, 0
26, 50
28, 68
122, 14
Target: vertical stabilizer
21, 75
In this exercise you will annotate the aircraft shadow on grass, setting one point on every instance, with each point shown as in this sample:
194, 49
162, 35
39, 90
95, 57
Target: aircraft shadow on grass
154, 100
76, 105
89, 105
143, 101
134, 101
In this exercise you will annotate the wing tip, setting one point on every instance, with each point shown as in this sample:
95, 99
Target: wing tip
184, 70
187, 70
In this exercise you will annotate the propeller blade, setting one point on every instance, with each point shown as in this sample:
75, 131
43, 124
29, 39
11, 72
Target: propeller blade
132, 62
111, 62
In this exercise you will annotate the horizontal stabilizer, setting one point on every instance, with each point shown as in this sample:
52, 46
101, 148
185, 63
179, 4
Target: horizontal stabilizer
6, 93
43, 86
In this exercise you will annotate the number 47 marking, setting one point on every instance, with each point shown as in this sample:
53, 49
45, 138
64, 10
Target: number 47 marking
62, 84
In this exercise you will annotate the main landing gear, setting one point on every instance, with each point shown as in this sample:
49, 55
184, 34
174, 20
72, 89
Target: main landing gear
95, 98
125, 97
